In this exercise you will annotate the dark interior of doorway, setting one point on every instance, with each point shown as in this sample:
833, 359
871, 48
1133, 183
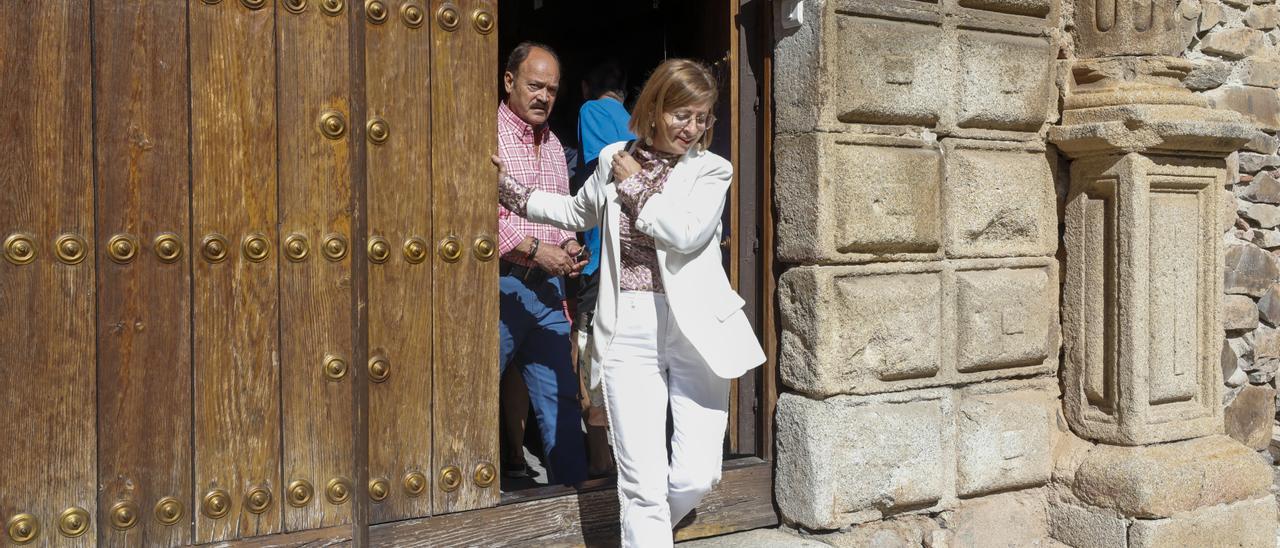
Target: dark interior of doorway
638, 35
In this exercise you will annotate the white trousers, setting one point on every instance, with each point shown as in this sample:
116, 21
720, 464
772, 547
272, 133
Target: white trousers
650, 365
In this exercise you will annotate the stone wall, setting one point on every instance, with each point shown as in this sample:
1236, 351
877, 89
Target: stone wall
1238, 68
917, 211
1000, 310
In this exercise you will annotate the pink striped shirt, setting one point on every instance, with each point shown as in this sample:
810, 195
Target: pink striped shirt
539, 168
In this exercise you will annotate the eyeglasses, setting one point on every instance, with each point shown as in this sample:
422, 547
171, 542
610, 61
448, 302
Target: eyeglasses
681, 118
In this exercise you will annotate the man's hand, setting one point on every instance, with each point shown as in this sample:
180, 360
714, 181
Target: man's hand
580, 257
556, 261
624, 166
572, 247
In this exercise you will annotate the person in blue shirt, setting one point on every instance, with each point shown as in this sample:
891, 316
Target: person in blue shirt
602, 121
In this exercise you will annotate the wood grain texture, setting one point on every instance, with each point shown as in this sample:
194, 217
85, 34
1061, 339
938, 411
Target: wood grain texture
398, 91
743, 500
315, 292
236, 314
312, 538
47, 308
359, 274
464, 130
144, 307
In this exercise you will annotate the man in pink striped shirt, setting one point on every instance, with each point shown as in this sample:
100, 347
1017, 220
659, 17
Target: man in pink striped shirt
534, 330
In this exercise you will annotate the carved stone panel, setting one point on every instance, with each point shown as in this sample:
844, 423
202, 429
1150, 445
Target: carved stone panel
1092, 282
855, 459
894, 334
1003, 318
1006, 81
890, 331
1177, 209
999, 202
1142, 299
893, 327
890, 72
852, 198
968, 67
1003, 439
1033, 8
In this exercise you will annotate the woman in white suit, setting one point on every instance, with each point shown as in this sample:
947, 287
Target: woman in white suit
669, 329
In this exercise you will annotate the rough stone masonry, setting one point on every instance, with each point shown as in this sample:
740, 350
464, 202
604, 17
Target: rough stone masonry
1005, 315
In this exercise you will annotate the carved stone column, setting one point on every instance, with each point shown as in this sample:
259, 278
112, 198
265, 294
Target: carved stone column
1105, 28
1143, 273
1143, 285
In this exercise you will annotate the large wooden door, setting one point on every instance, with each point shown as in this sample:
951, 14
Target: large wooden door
249, 276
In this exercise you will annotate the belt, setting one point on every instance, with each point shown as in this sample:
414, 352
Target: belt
527, 273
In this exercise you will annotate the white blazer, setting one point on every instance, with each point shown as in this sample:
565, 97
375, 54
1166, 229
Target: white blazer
684, 221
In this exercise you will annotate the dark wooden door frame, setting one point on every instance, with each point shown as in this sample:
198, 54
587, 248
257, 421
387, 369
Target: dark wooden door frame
752, 47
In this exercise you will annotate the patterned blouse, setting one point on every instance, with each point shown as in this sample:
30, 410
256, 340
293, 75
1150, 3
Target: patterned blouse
639, 258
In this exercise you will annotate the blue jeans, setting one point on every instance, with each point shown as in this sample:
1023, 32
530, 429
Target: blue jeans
534, 336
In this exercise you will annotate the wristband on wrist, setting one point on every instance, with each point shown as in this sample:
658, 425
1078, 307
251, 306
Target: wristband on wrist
533, 249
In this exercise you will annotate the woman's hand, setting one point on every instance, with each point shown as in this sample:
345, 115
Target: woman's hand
511, 194
502, 170
624, 166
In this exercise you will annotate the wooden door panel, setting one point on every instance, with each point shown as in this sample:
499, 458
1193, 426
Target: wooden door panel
48, 464
397, 70
465, 308
315, 279
236, 320
144, 305
205, 125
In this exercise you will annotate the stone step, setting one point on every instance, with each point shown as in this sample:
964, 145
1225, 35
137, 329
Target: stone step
770, 538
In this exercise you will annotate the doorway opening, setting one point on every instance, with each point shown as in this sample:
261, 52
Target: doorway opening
637, 35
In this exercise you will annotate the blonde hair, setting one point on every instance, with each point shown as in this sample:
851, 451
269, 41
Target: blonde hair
674, 84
